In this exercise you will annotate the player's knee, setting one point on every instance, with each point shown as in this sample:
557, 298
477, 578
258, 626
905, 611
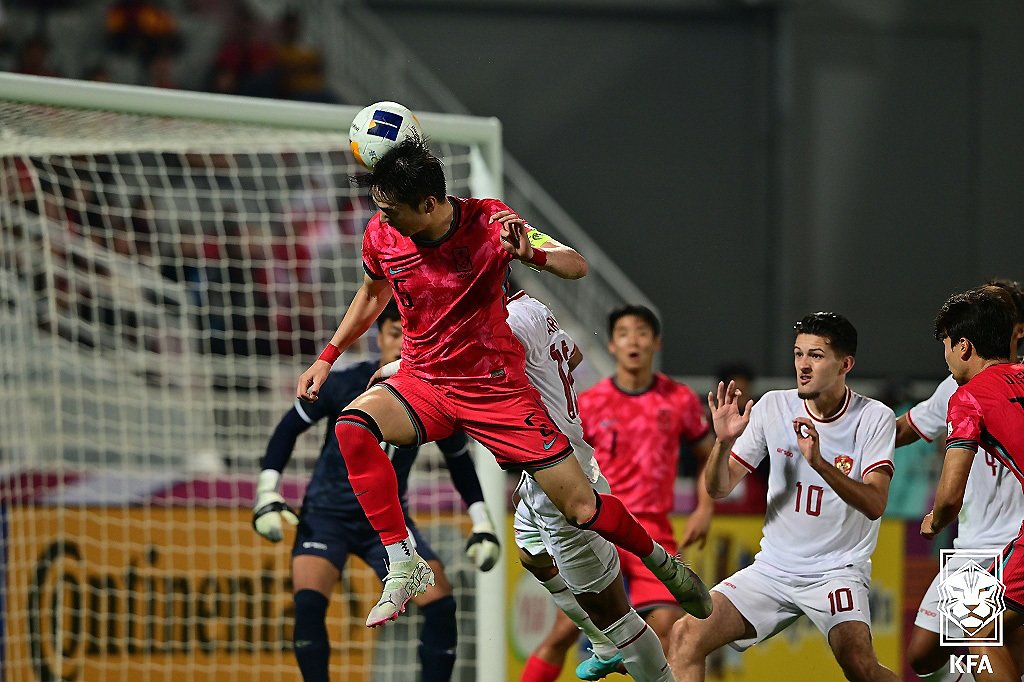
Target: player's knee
687, 641
580, 509
858, 666
923, 658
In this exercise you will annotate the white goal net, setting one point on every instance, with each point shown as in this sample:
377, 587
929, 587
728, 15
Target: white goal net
163, 280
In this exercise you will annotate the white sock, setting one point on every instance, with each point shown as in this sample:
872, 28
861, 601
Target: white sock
640, 649
656, 557
566, 600
403, 550
943, 675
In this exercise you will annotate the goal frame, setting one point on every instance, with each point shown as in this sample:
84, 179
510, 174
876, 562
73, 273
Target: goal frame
483, 135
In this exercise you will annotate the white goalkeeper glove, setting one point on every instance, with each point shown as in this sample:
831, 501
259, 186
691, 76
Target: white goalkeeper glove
270, 507
482, 548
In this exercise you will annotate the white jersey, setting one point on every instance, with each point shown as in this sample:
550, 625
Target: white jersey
548, 349
808, 528
993, 505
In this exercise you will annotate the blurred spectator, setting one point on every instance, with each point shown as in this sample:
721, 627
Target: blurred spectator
161, 71
301, 67
34, 57
245, 63
142, 28
98, 74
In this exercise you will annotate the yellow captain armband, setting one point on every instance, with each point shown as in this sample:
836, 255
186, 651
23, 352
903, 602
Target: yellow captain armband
537, 238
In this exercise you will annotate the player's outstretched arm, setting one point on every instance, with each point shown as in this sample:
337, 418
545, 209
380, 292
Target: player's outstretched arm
905, 433
699, 522
271, 511
730, 419
366, 305
537, 249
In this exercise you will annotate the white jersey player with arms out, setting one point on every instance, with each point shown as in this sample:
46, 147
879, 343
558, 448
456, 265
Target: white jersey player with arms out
989, 519
831, 453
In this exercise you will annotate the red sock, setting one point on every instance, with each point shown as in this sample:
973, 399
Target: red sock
537, 670
371, 475
614, 523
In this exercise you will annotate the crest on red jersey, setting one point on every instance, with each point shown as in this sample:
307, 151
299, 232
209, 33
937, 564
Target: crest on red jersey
844, 463
462, 262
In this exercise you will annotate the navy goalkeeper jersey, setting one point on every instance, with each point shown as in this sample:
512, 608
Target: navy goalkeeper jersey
329, 490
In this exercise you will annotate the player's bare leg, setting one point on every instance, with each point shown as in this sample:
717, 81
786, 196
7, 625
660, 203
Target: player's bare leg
313, 581
924, 654
693, 639
570, 619
851, 645
1001, 660
570, 490
661, 621
373, 417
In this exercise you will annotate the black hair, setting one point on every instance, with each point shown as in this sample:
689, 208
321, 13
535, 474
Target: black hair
839, 331
984, 316
733, 370
389, 313
641, 311
1013, 288
407, 174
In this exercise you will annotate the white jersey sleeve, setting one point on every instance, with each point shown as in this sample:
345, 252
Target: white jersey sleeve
751, 447
876, 438
548, 351
928, 417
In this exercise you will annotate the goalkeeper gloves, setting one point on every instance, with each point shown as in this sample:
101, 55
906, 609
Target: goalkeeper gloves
270, 507
482, 548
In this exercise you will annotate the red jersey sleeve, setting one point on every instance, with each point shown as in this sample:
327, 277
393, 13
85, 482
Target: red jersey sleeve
371, 256
963, 421
695, 421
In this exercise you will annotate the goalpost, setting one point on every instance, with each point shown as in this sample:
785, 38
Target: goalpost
169, 263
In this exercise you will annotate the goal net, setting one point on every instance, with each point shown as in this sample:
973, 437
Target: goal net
164, 278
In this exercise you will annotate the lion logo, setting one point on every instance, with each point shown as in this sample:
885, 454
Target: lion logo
844, 463
971, 597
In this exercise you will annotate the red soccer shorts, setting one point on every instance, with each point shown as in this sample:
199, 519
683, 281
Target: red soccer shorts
511, 422
1013, 572
645, 591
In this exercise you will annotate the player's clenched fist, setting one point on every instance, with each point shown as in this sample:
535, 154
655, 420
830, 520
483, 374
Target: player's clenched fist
308, 387
270, 510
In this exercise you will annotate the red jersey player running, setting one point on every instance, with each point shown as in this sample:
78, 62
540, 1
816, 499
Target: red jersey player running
987, 410
446, 260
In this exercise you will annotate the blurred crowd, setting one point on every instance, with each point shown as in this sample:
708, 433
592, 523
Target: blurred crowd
149, 42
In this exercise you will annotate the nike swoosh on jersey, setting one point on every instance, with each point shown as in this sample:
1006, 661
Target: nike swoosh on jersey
547, 446
395, 271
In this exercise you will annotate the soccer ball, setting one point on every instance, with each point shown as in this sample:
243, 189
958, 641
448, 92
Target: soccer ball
378, 129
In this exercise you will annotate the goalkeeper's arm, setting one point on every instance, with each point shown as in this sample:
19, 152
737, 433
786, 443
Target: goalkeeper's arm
270, 510
482, 548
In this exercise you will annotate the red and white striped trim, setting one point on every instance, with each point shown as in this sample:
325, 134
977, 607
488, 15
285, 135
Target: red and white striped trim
837, 415
910, 421
519, 294
877, 465
746, 465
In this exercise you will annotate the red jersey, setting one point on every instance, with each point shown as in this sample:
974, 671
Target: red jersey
636, 438
450, 295
989, 411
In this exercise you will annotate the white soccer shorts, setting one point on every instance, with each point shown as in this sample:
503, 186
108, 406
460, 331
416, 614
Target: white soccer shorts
928, 616
586, 561
771, 600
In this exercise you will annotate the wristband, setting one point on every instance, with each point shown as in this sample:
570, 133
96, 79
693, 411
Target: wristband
330, 354
539, 258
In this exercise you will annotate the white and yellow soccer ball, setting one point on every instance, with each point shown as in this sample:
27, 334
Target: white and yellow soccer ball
379, 128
